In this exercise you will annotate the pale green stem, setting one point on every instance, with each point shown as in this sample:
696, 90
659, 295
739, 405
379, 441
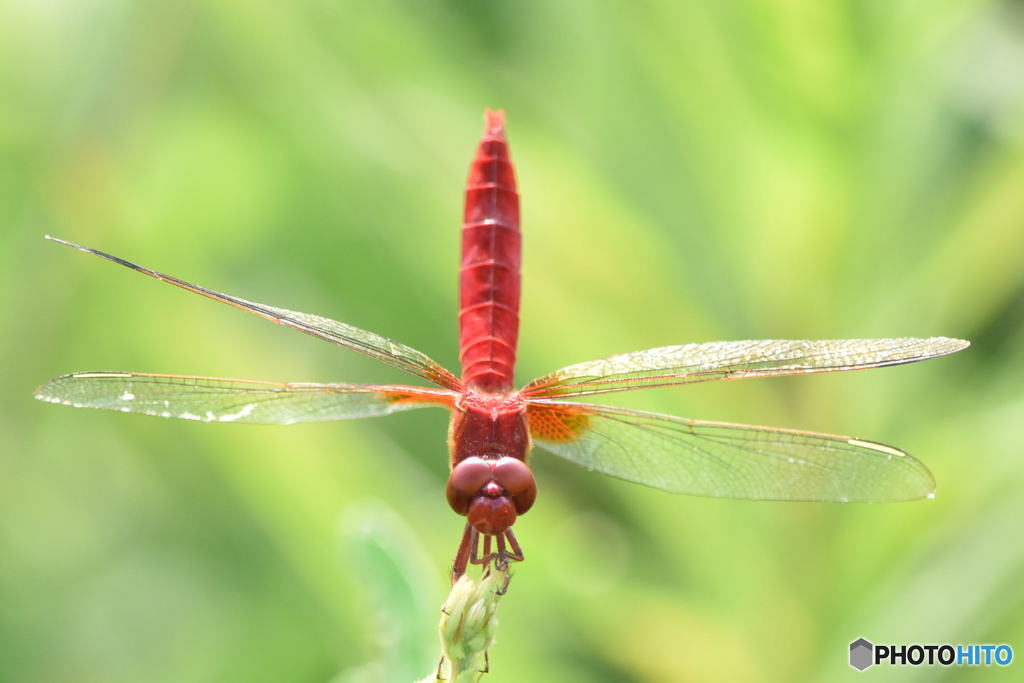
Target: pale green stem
468, 625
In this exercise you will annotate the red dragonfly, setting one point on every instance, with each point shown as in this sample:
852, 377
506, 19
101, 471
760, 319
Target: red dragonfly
493, 425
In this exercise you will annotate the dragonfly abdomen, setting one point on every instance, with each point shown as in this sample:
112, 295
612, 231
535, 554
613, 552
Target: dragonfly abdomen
489, 277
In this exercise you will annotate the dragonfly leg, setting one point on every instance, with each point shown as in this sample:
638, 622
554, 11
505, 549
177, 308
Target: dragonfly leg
508, 548
517, 550
467, 548
487, 549
485, 559
501, 562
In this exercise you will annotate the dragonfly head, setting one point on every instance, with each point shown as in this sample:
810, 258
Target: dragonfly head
491, 492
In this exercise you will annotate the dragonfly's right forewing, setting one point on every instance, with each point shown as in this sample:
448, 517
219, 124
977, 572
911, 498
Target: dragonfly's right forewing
726, 460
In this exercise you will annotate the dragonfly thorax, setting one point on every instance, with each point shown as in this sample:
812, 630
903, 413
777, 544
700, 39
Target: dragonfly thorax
490, 482
491, 492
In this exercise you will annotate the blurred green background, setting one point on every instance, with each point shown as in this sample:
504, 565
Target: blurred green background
689, 172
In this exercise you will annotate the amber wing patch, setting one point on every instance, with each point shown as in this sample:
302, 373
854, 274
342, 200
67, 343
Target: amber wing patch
557, 424
407, 395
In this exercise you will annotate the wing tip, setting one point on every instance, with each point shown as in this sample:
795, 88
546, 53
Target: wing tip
66, 243
923, 490
941, 346
926, 490
44, 392
957, 343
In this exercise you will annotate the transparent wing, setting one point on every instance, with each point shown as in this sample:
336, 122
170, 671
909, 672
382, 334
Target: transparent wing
726, 460
211, 399
668, 365
373, 345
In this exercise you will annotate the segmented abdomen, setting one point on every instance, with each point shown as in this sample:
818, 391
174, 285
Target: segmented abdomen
489, 277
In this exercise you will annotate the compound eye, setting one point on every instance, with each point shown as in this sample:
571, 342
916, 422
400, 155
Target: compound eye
470, 475
517, 480
513, 475
465, 481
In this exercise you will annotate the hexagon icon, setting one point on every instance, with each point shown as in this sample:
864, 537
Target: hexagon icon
861, 654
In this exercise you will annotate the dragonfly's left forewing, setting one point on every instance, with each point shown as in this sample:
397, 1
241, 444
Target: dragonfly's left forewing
726, 460
212, 399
